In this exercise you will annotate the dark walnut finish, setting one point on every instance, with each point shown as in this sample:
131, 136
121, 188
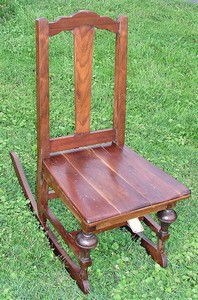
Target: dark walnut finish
103, 182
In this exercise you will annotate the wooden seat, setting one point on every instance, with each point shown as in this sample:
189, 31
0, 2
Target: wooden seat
109, 182
101, 181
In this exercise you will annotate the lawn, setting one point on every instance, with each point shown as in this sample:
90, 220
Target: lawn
161, 125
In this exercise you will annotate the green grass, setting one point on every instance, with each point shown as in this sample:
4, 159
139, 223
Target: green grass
161, 125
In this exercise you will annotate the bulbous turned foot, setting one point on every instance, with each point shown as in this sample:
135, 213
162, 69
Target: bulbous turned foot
86, 240
167, 216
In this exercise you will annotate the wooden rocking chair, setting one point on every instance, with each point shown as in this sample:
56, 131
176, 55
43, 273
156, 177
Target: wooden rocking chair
100, 180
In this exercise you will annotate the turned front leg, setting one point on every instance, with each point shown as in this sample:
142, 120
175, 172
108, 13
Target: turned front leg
166, 217
86, 242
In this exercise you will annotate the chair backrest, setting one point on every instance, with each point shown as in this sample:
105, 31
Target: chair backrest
82, 25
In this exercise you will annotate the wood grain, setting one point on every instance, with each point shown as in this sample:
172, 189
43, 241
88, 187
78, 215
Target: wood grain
42, 90
120, 80
149, 180
83, 51
82, 18
82, 140
81, 195
42, 86
106, 182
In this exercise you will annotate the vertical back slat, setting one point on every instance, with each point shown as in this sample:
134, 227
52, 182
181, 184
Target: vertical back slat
83, 50
120, 80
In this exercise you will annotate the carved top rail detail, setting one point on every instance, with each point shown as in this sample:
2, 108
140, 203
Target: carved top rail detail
83, 17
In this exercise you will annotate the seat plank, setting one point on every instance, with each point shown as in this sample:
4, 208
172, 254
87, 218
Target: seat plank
142, 164
86, 200
140, 175
140, 182
103, 179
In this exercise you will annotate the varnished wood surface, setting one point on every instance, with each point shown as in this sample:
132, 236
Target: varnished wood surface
82, 140
82, 18
42, 92
83, 52
23, 181
42, 88
103, 183
120, 80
